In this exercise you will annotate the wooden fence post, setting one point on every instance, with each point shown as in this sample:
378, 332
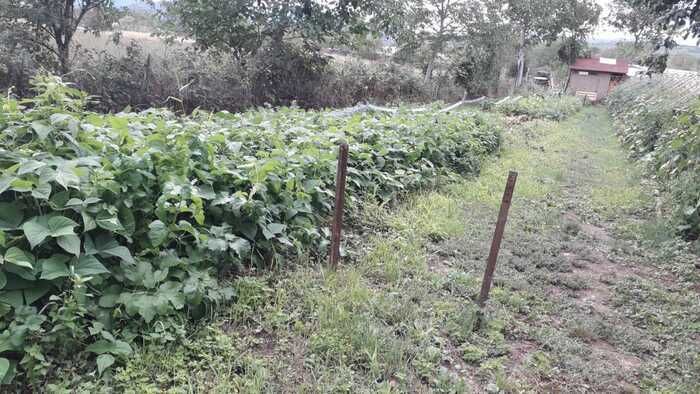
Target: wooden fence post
339, 204
497, 238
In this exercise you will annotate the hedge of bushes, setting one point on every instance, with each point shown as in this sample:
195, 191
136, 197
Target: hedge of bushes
117, 229
540, 107
659, 121
182, 79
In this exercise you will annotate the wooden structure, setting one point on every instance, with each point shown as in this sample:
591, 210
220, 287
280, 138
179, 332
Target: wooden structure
595, 78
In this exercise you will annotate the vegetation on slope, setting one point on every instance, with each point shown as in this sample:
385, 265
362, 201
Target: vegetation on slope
578, 305
659, 121
116, 229
540, 107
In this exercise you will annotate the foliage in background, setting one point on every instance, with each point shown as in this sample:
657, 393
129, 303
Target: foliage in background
659, 120
543, 21
637, 18
244, 26
183, 79
540, 107
115, 229
48, 27
659, 24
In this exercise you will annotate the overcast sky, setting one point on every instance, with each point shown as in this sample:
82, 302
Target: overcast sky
606, 32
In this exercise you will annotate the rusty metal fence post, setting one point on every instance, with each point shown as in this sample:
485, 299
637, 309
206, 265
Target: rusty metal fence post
337, 226
497, 238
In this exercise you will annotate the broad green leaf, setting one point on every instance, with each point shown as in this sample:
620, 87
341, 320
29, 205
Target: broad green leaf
42, 191
19, 277
250, 230
10, 373
70, 243
4, 368
106, 246
11, 215
240, 246
126, 217
3, 280
21, 185
66, 176
29, 166
146, 306
24, 273
40, 227
14, 298
35, 292
5, 183
110, 297
47, 175
74, 202
217, 245
108, 221
117, 348
88, 222
89, 266
19, 257
41, 130
59, 200
61, 225
157, 233
36, 230
55, 267
172, 291
273, 229
104, 361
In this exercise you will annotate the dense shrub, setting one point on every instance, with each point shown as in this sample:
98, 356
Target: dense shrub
183, 79
659, 121
350, 82
117, 228
543, 107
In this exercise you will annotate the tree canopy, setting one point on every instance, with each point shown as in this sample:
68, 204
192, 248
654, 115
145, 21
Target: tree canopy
48, 25
243, 25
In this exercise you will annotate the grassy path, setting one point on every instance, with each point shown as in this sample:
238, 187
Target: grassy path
591, 293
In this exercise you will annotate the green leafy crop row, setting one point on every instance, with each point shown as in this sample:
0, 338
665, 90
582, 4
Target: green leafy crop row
541, 107
659, 121
116, 229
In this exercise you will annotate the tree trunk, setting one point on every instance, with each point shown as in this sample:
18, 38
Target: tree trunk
64, 58
520, 60
429, 70
521, 66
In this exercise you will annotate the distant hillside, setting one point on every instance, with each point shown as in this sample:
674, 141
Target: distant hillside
690, 50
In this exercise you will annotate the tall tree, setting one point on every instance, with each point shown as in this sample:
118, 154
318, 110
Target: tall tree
243, 25
542, 21
675, 16
670, 19
49, 24
425, 28
639, 19
484, 49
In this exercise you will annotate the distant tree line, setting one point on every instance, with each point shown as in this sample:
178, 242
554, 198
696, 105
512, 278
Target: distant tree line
472, 45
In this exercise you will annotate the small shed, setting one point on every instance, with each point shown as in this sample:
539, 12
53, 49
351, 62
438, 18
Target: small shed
595, 78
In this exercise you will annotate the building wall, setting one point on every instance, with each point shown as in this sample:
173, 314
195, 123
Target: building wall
598, 83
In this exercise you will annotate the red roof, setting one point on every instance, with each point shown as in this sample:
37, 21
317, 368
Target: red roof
620, 66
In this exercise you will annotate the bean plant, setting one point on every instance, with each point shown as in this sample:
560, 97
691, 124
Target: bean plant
116, 229
659, 121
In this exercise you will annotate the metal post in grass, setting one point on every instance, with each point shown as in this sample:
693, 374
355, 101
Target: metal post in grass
497, 238
337, 228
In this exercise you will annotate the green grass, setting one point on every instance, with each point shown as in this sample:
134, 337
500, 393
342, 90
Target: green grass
400, 316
